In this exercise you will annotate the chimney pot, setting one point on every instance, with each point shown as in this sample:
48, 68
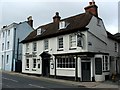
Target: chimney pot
92, 8
29, 18
90, 3
56, 18
30, 21
4, 26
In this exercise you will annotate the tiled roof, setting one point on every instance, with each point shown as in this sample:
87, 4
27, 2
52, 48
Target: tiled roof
75, 23
115, 37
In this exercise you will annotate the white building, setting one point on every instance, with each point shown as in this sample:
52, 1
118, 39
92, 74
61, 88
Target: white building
117, 35
10, 48
76, 47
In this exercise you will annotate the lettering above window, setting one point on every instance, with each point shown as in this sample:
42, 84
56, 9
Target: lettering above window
63, 24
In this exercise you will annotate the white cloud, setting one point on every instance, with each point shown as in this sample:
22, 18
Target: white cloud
43, 10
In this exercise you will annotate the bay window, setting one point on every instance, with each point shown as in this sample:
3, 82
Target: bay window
75, 41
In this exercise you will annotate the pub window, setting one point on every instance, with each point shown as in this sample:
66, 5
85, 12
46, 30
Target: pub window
27, 63
34, 46
116, 47
73, 42
8, 45
34, 63
2, 46
65, 62
46, 44
105, 63
60, 42
8, 32
27, 47
7, 59
98, 66
76, 40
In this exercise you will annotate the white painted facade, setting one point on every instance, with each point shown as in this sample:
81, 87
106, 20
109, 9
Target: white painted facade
9, 36
94, 40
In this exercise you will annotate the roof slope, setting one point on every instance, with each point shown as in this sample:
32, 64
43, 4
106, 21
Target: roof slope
76, 22
115, 37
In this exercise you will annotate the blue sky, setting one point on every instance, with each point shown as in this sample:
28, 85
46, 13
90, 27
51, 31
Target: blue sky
42, 11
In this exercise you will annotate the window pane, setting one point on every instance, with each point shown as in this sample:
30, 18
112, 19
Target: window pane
73, 40
34, 46
79, 41
34, 63
27, 63
60, 42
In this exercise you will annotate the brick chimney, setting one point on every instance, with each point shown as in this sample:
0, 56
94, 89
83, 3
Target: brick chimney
56, 18
30, 21
92, 8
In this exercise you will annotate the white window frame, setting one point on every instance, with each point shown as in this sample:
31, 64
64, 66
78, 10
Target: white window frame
7, 59
27, 63
2, 46
8, 45
116, 46
62, 25
66, 62
106, 65
39, 31
8, 32
27, 47
34, 46
46, 44
34, 64
73, 43
3, 34
60, 43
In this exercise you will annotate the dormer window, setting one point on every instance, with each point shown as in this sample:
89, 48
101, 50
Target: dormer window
62, 25
39, 31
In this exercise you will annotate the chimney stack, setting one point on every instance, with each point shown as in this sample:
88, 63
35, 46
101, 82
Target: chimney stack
30, 21
92, 8
56, 18
4, 26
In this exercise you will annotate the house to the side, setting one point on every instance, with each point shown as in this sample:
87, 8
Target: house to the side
10, 47
117, 35
76, 47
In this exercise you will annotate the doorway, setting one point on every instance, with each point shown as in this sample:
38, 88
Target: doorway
86, 71
45, 64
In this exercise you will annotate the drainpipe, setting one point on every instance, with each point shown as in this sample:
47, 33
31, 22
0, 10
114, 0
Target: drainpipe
55, 66
13, 56
76, 70
17, 49
5, 48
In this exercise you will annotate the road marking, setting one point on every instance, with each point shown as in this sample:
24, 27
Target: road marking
9, 79
36, 86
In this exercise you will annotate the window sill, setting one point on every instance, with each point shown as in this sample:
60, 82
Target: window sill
34, 69
107, 71
59, 49
72, 48
34, 52
65, 68
46, 50
27, 69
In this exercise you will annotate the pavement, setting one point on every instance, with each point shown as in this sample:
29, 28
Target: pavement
105, 84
